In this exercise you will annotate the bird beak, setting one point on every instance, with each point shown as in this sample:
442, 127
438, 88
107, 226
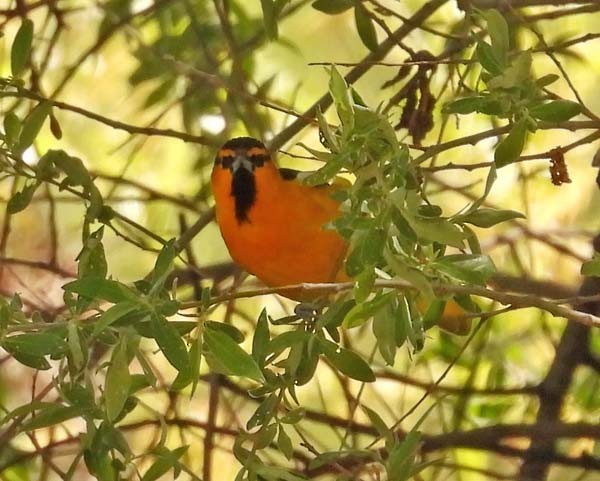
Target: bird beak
241, 161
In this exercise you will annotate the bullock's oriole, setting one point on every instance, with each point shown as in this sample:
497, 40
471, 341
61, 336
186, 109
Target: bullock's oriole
273, 225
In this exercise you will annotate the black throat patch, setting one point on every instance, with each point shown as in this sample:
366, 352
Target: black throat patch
243, 190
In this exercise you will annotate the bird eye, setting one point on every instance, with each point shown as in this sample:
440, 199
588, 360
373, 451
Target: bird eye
227, 161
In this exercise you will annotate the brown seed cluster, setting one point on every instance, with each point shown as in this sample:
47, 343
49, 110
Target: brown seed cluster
558, 167
417, 113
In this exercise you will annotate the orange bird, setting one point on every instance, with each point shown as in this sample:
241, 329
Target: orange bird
273, 225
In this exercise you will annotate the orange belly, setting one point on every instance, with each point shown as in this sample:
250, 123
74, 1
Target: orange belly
284, 240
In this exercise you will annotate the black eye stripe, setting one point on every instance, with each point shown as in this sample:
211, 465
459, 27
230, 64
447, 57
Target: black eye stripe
226, 161
259, 159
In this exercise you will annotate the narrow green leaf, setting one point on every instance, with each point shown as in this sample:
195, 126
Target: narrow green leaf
36, 344
361, 313
384, 330
401, 458
498, 32
164, 462
112, 315
347, 362
486, 217
332, 7
341, 96
437, 230
170, 343
465, 105
164, 263
379, 424
365, 27
74, 342
471, 268
21, 48
12, 128
102, 289
118, 382
21, 200
91, 261
546, 80
232, 331
51, 416
284, 443
556, 111
32, 126
35, 362
261, 338
487, 58
230, 356
510, 148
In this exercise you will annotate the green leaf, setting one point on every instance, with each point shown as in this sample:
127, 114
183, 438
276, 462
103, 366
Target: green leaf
384, 330
332, 7
269, 18
261, 338
21, 48
347, 362
265, 436
118, 381
164, 263
165, 461
591, 267
556, 111
487, 58
341, 96
36, 344
20, 200
366, 252
35, 362
401, 458
74, 343
465, 105
546, 80
112, 315
486, 217
232, 359
12, 128
32, 126
437, 230
379, 424
365, 27
335, 314
284, 443
510, 148
103, 289
287, 339
471, 268
92, 259
232, 331
498, 32
171, 344
361, 313
51, 416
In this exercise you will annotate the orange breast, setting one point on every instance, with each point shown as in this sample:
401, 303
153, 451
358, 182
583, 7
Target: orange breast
284, 241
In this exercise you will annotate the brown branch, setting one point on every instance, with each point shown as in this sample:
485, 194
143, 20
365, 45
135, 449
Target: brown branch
572, 350
516, 300
115, 124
